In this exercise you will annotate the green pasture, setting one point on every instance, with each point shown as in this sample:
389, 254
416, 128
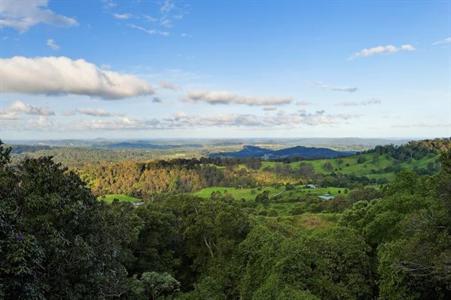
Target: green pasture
370, 165
120, 197
274, 191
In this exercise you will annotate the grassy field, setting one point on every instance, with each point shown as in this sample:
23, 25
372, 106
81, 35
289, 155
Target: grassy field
274, 191
370, 165
120, 197
314, 221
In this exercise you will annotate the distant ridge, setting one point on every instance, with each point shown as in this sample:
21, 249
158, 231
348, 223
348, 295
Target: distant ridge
147, 145
293, 152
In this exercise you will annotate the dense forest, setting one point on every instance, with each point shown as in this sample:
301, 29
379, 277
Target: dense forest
386, 239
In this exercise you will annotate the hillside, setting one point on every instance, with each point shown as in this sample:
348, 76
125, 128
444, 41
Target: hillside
293, 152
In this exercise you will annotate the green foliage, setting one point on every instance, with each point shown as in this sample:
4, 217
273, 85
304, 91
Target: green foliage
258, 254
263, 198
4, 155
155, 248
54, 238
333, 264
119, 197
273, 288
409, 230
152, 285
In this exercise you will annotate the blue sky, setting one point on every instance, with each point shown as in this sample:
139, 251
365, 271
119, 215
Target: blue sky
169, 69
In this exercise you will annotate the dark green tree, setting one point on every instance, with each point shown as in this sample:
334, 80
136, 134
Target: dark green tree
54, 240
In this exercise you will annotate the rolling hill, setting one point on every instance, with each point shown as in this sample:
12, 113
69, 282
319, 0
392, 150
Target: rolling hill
293, 152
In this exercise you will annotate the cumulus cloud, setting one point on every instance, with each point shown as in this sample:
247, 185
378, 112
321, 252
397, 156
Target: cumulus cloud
372, 101
335, 88
16, 108
387, 49
24, 14
62, 75
445, 41
225, 97
52, 44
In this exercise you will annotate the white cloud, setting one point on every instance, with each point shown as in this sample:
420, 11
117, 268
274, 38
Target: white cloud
62, 75
94, 112
16, 108
21, 107
124, 16
166, 22
387, 49
279, 119
225, 97
43, 122
372, 101
335, 88
150, 31
123, 123
109, 3
167, 6
52, 44
184, 121
161, 22
8, 115
445, 41
321, 118
24, 14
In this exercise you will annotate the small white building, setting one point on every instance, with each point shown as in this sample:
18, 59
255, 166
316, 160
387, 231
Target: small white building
326, 197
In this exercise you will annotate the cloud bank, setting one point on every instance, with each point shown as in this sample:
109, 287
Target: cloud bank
185, 121
225, 97
62, 75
